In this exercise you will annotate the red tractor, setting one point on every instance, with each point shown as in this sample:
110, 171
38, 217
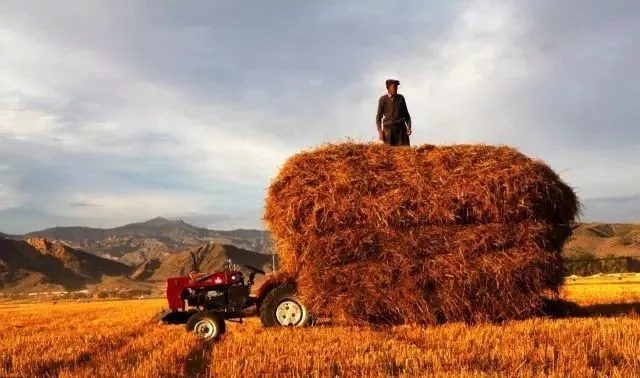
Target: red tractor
204, 301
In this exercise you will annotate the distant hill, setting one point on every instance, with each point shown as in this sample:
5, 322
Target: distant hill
206, 258
157, 238
7, 236
38, 264
601, 239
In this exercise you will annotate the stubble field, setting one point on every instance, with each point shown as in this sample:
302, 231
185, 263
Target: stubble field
118, 339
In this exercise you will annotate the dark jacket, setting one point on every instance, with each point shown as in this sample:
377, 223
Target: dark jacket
393, 110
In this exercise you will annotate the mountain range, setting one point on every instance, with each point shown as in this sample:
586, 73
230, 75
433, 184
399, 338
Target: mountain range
142, 255
605, 239
39, 263
206, 258
136, 243
136, 255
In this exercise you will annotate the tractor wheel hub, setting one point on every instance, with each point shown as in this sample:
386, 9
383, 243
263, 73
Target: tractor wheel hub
205, 329
289, 313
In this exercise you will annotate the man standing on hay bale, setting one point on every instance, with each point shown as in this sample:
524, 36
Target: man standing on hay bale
396, 128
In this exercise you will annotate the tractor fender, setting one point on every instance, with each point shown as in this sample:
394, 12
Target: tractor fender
267, 286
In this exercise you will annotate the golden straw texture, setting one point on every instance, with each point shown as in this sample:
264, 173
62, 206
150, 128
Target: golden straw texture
384, 234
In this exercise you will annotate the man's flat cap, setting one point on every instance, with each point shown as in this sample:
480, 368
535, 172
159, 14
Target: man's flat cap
391, 81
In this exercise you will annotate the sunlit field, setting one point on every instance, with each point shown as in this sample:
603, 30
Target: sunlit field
119, 339
623, 288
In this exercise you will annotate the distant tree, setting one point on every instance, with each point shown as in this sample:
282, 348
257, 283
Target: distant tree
581, 262
614, 264
584, 263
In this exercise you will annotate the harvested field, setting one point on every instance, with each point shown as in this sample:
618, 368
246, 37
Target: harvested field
114, 339
421, 235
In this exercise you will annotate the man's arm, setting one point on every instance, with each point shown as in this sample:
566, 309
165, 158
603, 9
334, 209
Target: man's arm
405, 112
379, 115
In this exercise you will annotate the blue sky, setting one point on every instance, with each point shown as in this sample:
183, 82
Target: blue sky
115, 112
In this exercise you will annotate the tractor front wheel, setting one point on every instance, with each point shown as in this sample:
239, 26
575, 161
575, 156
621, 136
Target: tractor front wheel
208, 326
282, 307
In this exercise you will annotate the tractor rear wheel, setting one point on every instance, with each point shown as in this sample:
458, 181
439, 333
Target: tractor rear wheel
282, 307
208, 326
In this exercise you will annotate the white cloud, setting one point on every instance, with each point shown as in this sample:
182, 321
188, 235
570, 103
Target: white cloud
120, 205
215, 141
11, 195
117, 114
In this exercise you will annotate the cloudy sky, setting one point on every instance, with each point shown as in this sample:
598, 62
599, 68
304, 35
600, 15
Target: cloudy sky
113, 112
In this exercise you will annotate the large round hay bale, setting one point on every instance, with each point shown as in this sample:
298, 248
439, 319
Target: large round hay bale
383, 234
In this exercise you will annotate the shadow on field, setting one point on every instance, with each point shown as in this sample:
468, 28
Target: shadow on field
53, 368
198, 360
566, 309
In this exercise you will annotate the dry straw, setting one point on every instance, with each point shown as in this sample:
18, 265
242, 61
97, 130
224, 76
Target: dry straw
383, 234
